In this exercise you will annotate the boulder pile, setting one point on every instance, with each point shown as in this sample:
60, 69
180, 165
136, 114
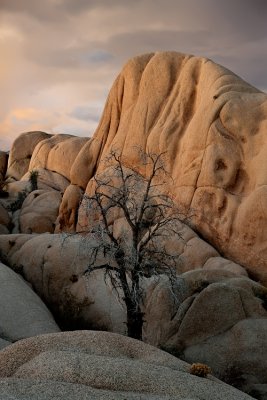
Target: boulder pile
211, 127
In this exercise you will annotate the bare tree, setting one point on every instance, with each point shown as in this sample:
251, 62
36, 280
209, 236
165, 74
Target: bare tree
150, 219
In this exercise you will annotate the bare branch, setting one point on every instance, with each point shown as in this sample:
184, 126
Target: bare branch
150, 218
106, 267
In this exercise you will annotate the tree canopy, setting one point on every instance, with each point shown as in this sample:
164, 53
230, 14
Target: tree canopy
148, 218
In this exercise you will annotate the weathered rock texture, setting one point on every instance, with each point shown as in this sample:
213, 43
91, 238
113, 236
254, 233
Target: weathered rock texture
55, 269
57, 154
48, 180
51, 157
210, 304
216, 318
211, 127
39, 211
210, 124
22, 314
101, 365
68, 212
57, 264
21, 153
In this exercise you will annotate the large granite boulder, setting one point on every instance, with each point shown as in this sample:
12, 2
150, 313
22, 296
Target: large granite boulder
21, 152
39, 211
56, 270
101, 365
68, 211
181, 319
35, 209
214, 317
211, 125
57, 266
23, 314
48, 180
237, 356
57, 154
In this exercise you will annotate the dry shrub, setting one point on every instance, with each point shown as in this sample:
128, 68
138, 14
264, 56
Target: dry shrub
199, 369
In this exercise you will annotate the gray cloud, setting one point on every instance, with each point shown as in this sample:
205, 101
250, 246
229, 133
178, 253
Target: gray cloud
95, 57
133, 43
244, 18
63, 55
54, 10
79, 6
119, 48
81, 57
85, 113
31, 8
245, 58
248, 61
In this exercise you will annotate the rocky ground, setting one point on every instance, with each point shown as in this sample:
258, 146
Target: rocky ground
101, 365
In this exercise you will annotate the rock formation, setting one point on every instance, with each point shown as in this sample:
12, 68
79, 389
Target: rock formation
217, 318
23, 314
57, 154
39, 211
56, 270
21, 153
211, 127
100, 365
196, 317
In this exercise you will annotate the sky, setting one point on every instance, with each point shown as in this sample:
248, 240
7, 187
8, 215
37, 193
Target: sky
59, 58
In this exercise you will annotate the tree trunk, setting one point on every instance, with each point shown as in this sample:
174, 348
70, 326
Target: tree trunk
134, 324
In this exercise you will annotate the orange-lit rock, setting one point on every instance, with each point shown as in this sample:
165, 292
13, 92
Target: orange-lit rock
57, 154
212, 127
21, 152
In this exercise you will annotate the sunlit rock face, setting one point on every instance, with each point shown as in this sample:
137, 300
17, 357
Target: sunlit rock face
212, 127
57, 154
21, 152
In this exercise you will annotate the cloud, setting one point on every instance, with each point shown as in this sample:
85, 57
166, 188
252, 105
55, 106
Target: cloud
251, 68
145, 41
82, 57
242, 19
85, 113
60, 57
73, 58
31, 119
95, 57
54, 10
